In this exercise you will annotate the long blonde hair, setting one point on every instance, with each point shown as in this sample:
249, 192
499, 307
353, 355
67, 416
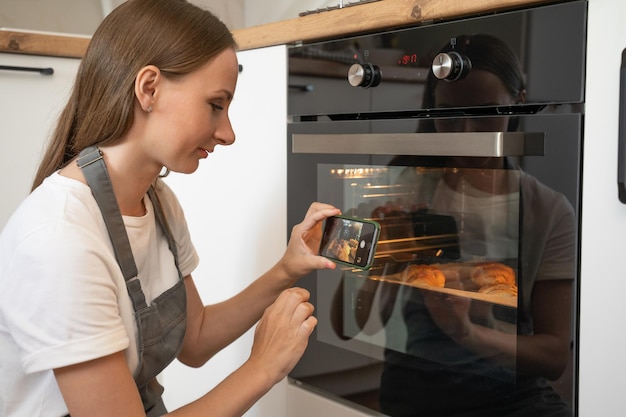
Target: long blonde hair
173, 35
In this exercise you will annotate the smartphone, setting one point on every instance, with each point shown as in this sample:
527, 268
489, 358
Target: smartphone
350, 241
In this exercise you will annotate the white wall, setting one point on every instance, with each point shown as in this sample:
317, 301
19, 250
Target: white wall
258, 12
86, 15
53, 16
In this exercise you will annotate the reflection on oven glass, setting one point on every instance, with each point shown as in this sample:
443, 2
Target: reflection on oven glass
463, 247
442, 303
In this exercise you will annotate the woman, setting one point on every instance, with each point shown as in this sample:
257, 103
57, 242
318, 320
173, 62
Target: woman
96, 293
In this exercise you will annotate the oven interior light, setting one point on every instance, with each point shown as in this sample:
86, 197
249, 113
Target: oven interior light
354, 173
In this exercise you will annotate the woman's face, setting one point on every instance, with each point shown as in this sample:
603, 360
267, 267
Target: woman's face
190, 114
479, 88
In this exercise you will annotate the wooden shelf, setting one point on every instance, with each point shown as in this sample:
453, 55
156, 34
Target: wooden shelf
368, 17
41, 43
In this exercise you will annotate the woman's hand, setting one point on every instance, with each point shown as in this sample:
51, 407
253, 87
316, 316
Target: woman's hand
450, 313
282, 334
301, 256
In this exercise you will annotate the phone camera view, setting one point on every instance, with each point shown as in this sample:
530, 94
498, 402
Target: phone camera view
349, 241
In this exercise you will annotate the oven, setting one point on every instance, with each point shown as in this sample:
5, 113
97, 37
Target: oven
463, 139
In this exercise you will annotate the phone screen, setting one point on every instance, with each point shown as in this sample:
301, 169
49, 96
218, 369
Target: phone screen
350, 241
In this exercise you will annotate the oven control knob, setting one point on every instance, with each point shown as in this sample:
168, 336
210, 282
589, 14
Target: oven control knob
451, 66
364, 75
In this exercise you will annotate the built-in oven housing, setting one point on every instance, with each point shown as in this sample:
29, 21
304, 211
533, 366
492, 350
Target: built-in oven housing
373, 152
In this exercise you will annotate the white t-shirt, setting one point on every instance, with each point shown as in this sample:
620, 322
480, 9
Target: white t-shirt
548, 237
488, 223
63, 299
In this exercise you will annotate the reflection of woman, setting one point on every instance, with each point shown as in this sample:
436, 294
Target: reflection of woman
495, 80
483, 371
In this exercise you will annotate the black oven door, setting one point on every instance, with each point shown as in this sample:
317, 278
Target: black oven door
493, 213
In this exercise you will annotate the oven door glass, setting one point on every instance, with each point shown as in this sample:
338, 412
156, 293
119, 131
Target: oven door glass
448, 252
472, 260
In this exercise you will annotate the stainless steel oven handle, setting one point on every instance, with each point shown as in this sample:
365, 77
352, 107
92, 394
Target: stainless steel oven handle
621, 143
481, 144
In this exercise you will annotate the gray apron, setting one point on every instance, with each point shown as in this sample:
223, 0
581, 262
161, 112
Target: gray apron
161, 325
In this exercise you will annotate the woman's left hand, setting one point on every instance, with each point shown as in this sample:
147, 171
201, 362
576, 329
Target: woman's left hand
301, 256
450, 313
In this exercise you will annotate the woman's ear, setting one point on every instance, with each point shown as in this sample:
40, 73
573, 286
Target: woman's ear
521, 97
146, 84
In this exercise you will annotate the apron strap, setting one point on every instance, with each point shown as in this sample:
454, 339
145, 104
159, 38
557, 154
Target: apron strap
154, 322
162, 221
91, 162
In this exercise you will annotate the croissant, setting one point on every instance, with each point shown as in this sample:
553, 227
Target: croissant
492, 273
425, 274
502, 290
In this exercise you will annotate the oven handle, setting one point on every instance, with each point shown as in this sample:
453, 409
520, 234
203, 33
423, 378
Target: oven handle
621, 143
481, 144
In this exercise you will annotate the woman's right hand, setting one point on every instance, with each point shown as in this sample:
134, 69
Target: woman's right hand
283, 332
301, 256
